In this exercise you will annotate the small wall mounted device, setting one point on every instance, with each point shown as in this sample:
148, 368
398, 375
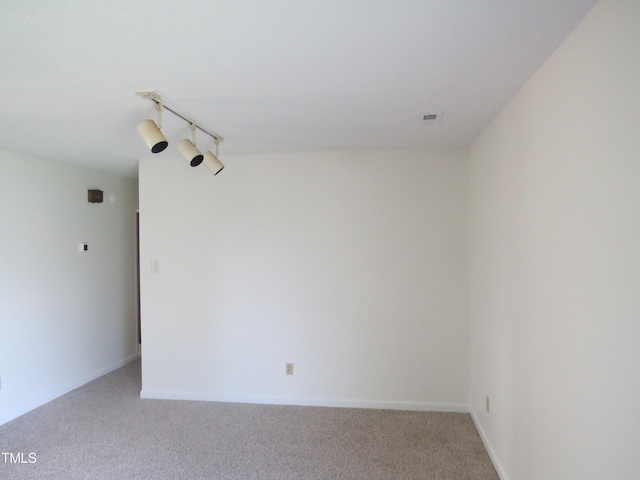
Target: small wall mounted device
95, 196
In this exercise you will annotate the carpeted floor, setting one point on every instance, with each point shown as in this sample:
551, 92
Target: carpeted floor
103, 430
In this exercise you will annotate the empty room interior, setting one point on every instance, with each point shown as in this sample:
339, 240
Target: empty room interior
425, 206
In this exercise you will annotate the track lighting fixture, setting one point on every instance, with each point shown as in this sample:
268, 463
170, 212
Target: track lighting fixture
211, 161
156, 141
189, 151
150, 132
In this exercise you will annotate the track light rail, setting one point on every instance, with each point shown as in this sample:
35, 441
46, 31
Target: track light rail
155, 97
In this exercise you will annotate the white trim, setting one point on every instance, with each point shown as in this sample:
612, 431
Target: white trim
310, 402
110, 368
487, 445
49, 398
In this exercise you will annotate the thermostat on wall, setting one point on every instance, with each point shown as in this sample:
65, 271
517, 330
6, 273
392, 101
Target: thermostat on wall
83, 247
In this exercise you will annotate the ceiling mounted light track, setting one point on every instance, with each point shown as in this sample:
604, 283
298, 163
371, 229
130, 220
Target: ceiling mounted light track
156, 141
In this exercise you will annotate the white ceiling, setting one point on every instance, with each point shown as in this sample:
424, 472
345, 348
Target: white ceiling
269, 76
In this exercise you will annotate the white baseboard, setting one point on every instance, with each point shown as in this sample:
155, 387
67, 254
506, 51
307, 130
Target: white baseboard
488, 447
111, 368
68, 388
310, 402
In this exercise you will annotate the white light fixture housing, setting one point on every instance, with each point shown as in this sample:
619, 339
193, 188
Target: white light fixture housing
151, 134
189, 151
212, 163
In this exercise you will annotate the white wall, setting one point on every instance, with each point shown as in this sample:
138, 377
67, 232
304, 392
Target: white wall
350, 265
65, 317
555, 262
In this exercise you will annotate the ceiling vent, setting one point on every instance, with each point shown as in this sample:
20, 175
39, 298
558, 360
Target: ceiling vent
430, 118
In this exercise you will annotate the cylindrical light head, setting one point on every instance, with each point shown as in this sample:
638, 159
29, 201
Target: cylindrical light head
212, 163
190, 152
151, 134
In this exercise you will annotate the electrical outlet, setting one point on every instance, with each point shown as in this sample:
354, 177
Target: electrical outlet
289, 368
487, 404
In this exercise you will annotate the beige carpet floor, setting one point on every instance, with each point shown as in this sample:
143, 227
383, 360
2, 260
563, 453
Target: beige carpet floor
103, 430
